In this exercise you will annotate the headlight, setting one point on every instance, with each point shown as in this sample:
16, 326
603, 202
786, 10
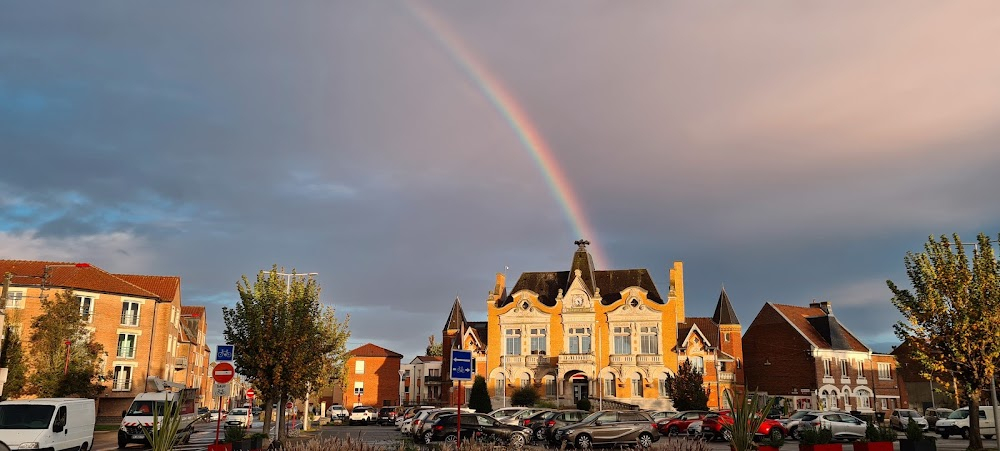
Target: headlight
28, 445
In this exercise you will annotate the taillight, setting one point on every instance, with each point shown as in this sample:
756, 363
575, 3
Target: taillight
438, 428
652, 425
527, 422
550, 423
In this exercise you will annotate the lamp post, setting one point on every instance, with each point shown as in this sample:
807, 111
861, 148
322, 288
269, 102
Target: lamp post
401, 386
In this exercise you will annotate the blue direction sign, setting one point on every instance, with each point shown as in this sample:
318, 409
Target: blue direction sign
224, 353
461, 365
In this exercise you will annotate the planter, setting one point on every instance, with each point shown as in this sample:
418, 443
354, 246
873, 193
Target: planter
767, 448
823, 447
873, 446
221, 447
917, 445
256, 443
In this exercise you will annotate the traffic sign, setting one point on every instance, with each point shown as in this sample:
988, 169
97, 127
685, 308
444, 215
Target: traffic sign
224, 353
461, 365
223, 372
251, 393
220, 390
288, 405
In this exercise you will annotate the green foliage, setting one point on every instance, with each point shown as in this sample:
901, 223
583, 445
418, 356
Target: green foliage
687, 388
234, 434
748, 412
772, 441
952, 315
583, 404
286, 340
12, 357
914, 431
879, 433
434, 349
162, 435
524, 396
816, 436
545, 404
479, 399
60, 321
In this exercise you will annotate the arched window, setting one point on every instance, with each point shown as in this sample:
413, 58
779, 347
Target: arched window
609, 385
525, 380
550, 385
697, 364
501, 385
636, 385
662, 385
831, 400
864, 399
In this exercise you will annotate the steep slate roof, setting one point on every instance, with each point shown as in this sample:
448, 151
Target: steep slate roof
456, 319
165, 287
724, 313
89, 278
583, 262
481, 329
819, 328
611, 283
195, 311
371, 350
707, 327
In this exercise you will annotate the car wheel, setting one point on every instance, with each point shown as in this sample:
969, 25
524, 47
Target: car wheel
645, 440
517, 441
583, 441
84, 446
776, 435
540, 434
965, 434
794, 433
122, 441
450, 439
428, 438
673, 431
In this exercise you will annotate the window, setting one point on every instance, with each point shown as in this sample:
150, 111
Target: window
550, 386
861, 369
513, 341
884, 371
623, 340
826, 369
648, 340
126, 346
538, 341
864, 399
15, 299
662, 386
637, 385
130, 313
434, 372
525, 380
727, 337
843, 368
579, 340
359, 367
885, 404
609, 385
697, 364
123, 378
500, 387
86, 308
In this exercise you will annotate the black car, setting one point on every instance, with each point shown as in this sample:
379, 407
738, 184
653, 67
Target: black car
479, 427
557, 419
387, 415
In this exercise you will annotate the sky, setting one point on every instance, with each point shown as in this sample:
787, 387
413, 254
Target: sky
407, 151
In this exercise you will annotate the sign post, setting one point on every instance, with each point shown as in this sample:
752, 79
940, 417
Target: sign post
223, 373
461, 370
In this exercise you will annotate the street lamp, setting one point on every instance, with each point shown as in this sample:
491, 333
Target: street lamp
401, 382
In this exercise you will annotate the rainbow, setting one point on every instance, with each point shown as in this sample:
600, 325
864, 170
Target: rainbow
515, 116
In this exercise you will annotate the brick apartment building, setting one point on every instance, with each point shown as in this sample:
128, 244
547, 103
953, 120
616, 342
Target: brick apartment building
136, 318
372, 374
805, 355
192, 363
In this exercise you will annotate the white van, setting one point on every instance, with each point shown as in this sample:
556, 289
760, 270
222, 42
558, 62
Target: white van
47, 423
957, 423
140, 415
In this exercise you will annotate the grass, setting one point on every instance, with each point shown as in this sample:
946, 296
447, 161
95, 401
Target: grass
106, 427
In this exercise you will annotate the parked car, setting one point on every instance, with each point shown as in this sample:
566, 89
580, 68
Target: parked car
610, 427
387, 415
958, 423
542, 430
791, 423
426, 421
679, 424
504, 412
901, 417
694, 429
477, 426
844, 426
239, 416
203, 411
535, 417
933, 414
663, 414
715, 427
519, 417
337, 412
363, 415
215, 415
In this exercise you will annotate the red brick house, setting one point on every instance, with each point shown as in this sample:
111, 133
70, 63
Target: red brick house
807, 356
372, 374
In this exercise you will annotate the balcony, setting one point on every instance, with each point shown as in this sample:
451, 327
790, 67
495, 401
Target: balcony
130, 319
180, 363
432, 380
512, 360
727, 377
535, 361
649, 359
577, 359
122, 385
126, 352
622, 359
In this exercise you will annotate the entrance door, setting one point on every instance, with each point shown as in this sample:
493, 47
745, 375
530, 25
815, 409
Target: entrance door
581, 388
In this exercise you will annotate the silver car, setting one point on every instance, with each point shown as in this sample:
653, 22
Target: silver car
842, 425
902, 417
791, 423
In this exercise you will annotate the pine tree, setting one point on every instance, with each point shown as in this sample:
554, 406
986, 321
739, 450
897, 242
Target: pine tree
479, 399
686, 389
952, 316
51, 377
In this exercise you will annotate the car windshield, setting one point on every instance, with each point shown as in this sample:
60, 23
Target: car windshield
911, 414
145, 408
798, 415
237, 412
590, 418
959, 415
360, 409
25, 416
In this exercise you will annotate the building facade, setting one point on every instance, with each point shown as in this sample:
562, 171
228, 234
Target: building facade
194, 355
805, 355
372, 377
135, 318
421, 381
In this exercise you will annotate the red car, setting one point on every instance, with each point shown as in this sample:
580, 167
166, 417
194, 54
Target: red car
714, 427
679, 424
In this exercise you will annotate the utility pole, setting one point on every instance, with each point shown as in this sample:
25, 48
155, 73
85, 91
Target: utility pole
3, 329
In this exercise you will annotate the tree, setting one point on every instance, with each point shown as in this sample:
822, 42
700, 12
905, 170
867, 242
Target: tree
433, 349
686, 389
952, 316
286, 341
524, 396
59, 323
12, 358
479, 399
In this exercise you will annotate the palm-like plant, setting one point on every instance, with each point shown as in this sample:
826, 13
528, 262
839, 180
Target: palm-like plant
747, 412
163, 433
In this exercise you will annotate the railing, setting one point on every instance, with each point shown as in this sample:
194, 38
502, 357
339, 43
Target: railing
576, 358
649, 359
126, 352
610, 404
130, 319
512, 360
622, 359
432, 379
535, 360
727, 377
122, 385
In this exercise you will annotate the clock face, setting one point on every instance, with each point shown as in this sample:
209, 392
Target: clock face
578, 301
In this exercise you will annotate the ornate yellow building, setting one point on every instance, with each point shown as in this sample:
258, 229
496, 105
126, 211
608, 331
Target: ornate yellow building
609, 336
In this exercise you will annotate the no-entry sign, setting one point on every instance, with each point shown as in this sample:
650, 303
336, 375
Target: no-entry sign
223, 372
251, 393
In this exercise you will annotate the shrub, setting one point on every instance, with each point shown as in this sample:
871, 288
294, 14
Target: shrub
479, 399
820, 436
524, 396
914, 432
583, 404
875, 433
234, 433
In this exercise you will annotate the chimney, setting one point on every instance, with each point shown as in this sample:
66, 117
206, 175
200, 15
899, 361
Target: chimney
825, 306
